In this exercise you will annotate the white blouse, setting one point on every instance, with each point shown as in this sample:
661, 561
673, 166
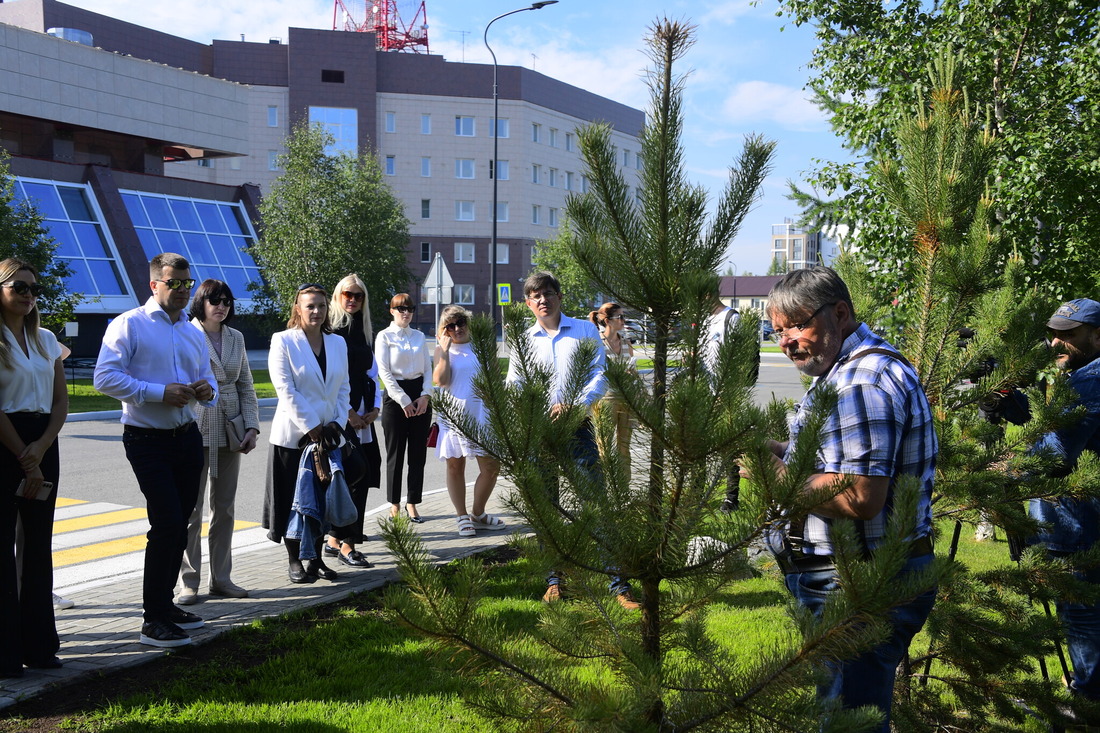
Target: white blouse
402, 353
28, 385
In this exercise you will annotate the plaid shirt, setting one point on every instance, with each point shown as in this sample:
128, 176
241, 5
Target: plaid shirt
882, 426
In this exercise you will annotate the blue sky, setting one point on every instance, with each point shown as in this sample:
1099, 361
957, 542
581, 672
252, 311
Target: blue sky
748, 70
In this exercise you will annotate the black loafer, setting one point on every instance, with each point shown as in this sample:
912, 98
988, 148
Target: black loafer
331, 551
355, 559
48, 663
163, 634
183, 619
299, 575
317, 569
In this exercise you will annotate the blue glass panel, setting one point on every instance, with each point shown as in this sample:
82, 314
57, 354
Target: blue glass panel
171, 241
149, 243
199, 246
79, 281
224, 250
91, 239
159, 215
76, 206
105, 276
136, 210
185, 214
253, 275
66, 240
246, 257
18, 191
233, 216
238, 282
206, 272
211, 217
44, 197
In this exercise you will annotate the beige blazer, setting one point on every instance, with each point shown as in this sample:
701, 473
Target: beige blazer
236, 393
307, 398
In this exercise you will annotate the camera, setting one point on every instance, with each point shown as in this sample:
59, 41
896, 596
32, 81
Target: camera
1009, 405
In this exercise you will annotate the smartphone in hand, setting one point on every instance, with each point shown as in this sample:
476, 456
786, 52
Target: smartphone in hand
43, 491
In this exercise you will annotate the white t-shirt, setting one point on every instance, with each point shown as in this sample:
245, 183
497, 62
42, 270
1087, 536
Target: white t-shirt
28, 385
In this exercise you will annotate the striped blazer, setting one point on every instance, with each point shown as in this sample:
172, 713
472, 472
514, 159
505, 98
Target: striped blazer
236, 393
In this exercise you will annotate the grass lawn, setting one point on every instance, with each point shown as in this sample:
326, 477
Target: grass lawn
83, 397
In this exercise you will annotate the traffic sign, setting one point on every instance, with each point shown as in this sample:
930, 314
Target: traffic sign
504, 293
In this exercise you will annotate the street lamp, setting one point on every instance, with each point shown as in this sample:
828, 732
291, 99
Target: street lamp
496, 163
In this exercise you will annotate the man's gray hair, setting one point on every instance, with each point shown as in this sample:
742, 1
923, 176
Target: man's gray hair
802, 292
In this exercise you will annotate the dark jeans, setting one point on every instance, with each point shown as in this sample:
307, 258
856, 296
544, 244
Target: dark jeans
405, 434
168, 471
1081, 625
353, 533
27, 629
869, 678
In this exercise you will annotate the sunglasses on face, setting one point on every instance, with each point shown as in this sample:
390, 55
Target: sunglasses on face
227, 302
455, 325
23, 288
405, 308
348, 295
178, 284
616, 318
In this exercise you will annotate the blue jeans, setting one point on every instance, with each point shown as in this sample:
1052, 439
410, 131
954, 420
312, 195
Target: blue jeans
869, 678
1081, 626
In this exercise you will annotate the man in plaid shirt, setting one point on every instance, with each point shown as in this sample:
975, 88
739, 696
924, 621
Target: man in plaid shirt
880, 429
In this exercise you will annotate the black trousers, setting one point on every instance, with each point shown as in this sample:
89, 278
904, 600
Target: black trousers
353, 533
168, 470
405, 434
27, 629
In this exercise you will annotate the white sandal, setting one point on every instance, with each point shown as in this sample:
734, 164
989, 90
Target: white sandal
488, 521
465, 526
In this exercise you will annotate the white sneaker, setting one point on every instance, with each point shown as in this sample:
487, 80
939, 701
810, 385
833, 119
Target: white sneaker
62, 604
187, 597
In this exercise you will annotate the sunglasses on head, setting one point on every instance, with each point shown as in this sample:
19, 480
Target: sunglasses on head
456, 324
226, 301
22, 288
353, 296
178, 284
307, 286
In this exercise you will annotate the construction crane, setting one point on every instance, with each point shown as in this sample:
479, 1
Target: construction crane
383, 19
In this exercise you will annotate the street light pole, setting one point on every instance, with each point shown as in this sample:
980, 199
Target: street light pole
496, 163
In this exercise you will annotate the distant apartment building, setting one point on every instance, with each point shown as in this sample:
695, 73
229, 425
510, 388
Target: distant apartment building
795, 247
168, 144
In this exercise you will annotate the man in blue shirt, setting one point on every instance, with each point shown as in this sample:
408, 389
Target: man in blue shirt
880, 429
1072, 525
156, 363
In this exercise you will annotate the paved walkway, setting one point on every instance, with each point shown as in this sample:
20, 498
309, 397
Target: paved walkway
100, 634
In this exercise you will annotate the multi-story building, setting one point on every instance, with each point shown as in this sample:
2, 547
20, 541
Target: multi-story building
196, 122
795, 247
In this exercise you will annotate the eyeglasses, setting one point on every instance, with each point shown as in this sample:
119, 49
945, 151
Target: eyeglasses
794, 332
226, 301
405, 308
353, 296
455, 325
544, 295
178, 284
22, 288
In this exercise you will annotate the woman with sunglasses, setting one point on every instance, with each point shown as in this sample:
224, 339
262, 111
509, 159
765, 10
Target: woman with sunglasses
309, 370
212, 308
33, 407
455, 367
610, 320
405, 367
349, 316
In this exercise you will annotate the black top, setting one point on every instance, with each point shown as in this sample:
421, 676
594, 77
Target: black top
360, 360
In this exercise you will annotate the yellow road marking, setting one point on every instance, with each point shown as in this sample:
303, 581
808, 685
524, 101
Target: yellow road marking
97, 520
121, 546
61, 501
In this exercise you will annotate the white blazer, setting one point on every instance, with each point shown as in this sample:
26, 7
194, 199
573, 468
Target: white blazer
306, 398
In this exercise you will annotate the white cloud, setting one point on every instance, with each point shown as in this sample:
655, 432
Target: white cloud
762, 101
728, 12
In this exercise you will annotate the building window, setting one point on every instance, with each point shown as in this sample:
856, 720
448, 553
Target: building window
501, 127
502, 253
426, 167
780, 244
205, 163
332, 76
503, 166
391, 165
425, 208
464, 210
464, 126
425, 124
464, 252
553, 217
626, 159
569, 141
340, 122
568, 180
796, 248
464, 294
536, 214
272, 116
502, 211
235, 164
584, 184
536, 173
425, 251
391, 122
464, 168
536, 132
553, 138
553, 177
273, 160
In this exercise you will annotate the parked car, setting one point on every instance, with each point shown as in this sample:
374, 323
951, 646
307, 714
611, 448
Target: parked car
766, 329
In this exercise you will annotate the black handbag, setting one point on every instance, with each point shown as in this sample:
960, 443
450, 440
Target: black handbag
355, 463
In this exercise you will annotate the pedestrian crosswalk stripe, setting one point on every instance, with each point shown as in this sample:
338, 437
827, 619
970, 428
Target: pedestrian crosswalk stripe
97, 520
61, 558
62, 501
